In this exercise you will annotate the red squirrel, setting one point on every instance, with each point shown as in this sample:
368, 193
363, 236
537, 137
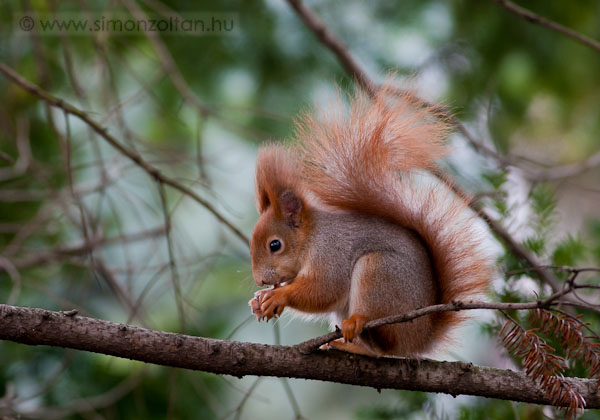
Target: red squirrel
348, 231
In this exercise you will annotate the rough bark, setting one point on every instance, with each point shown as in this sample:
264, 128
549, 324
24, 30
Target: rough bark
63, 329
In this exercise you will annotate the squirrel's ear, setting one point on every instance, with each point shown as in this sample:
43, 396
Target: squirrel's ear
291, 208
277, 170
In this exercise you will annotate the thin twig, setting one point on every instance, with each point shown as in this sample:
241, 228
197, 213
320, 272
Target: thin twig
171, 253
565, 268
24, 151
327, 38
566, 171
240, 407
314, 343
10, 269
531, 17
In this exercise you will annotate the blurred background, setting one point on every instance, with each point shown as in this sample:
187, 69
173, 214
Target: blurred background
83, 227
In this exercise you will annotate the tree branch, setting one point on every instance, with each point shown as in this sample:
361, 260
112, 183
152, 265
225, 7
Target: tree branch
540, 20
40, 327
327, 38
566, 171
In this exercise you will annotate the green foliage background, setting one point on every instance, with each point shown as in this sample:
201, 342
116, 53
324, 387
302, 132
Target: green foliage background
519, 87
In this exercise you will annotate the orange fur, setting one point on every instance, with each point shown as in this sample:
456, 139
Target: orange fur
350, 160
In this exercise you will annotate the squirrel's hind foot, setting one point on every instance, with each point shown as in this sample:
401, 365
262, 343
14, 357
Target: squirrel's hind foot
355, 347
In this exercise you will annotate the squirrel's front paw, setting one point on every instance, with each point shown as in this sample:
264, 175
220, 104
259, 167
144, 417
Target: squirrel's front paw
272, 302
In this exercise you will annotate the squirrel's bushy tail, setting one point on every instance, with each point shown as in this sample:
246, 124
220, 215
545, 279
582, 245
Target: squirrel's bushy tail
350, 160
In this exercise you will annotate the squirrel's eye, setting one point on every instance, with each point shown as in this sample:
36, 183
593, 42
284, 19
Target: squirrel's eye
275, 245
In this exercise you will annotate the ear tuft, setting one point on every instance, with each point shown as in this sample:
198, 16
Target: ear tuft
277, 171
291, 208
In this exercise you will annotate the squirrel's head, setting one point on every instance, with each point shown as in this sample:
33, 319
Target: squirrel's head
278, 241
280, 235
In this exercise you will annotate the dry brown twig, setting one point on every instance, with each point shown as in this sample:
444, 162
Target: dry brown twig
568, 329
542, 366
539, 359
